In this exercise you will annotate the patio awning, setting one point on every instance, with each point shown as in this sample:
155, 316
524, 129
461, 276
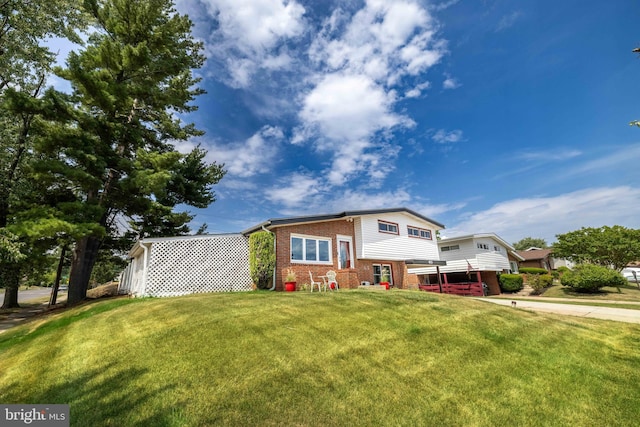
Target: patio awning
421, 263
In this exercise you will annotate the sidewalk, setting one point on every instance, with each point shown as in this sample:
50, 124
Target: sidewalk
607, 313
545, 299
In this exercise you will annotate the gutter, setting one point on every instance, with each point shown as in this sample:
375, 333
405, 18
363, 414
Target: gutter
273, 288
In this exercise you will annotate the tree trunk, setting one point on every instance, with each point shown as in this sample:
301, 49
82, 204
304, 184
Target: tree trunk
85, 255
56, 284
10, 277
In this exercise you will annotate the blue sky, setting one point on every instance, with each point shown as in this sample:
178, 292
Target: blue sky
487, 116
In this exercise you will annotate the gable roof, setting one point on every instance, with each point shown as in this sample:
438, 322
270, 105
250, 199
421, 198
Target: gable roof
531, 255
275, 222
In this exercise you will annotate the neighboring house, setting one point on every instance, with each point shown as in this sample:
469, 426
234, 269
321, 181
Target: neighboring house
542, 258
473, 257
359, 245
172, 266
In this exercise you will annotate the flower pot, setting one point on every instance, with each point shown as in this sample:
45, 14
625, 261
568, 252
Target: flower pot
385, 284
290, 286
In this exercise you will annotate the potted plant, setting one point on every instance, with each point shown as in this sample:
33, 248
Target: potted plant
386, 277
290, 281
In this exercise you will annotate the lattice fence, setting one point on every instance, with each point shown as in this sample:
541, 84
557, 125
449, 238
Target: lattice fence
205, 264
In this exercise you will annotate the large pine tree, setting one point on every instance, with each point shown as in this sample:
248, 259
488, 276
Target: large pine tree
112, 139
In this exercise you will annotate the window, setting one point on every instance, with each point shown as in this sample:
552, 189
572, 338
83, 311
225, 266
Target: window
310, 249
483, 246
450, 248
382, 271
418, 232
387, 227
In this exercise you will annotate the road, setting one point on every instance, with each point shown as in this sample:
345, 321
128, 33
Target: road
31, 294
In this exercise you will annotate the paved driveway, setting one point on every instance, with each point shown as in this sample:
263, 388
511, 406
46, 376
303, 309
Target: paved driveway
608, 313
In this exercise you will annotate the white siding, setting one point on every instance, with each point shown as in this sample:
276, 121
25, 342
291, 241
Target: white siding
467, 251
469, 254
132, 282
372, 244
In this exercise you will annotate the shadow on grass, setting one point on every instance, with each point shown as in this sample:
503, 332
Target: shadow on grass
111, 395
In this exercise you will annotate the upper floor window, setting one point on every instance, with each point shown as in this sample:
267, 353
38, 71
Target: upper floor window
483, 246
418, 232
450, 248
387, 227
310, 249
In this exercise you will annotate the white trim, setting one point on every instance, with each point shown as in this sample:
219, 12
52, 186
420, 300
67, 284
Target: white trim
349, 239
381, 267
304, 238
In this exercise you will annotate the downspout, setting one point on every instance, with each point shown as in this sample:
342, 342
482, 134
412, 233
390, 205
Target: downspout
273, 288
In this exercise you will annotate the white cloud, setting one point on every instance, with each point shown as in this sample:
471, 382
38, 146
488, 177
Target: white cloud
254, 156
417, 90
361, 60
349, 107
297, 191
384, 40
450, 83
550, 155
444, 5
343, 113
443, 137
547, 216
508, 21
250, 32
620, 157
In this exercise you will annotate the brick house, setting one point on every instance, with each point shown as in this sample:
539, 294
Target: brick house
542, 258
359, 245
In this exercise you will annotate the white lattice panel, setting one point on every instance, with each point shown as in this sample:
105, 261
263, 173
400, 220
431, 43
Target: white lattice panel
187, 266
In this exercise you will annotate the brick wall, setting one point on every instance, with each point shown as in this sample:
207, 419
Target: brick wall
329, 229
347, 278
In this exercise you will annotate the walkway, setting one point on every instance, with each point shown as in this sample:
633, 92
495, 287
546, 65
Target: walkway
607, 313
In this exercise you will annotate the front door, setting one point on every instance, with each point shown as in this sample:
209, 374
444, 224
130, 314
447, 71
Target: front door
345, 252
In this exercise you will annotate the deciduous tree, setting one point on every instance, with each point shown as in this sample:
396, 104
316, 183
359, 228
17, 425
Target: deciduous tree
530, 242
606, 246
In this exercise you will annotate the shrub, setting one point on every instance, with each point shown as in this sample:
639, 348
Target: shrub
590, 278
262, 259
510, 282
539, 282
533, 270
563, 269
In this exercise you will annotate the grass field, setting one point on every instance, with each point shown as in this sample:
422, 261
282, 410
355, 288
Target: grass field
347, 358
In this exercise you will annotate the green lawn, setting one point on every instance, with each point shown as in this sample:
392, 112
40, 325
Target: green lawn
628, 292
349, 358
